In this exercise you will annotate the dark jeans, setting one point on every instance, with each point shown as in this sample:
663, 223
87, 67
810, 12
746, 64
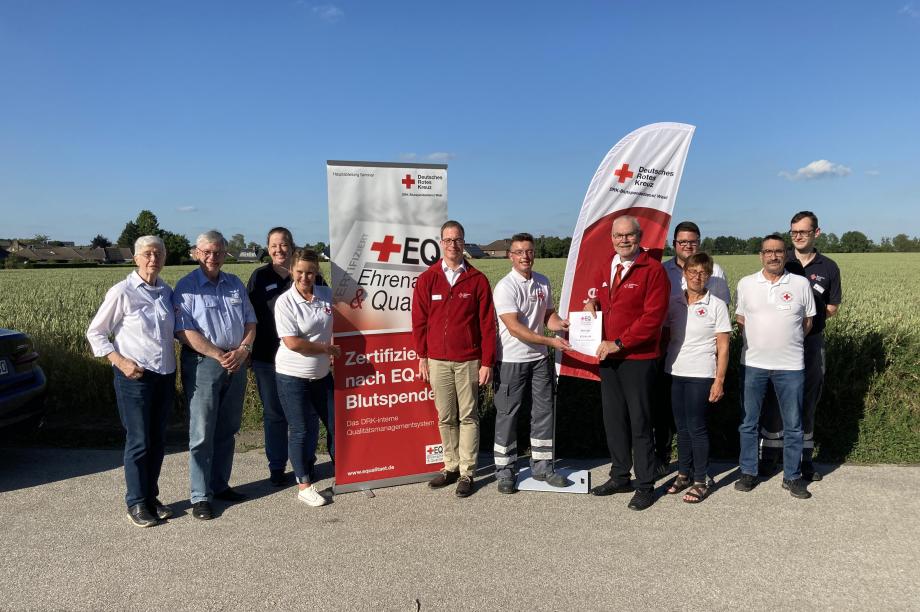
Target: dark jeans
304, 401
626, 386
662, 415
144, 406
274, 424
689, 401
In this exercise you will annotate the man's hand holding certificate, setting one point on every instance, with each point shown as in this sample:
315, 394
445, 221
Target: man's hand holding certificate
585, 331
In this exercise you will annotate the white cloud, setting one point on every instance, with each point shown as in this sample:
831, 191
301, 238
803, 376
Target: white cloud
817, 169
440, 156
910, 11
407, 157
872, 172
328, 13
187, 209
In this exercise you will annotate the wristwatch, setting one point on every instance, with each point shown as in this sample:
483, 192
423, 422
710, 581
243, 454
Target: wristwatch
248, 347
619, 343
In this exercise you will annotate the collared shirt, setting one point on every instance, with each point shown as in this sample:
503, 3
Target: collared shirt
453, 275
296, 317
692, 347
217, 310
773, 315
717, 283
613, 267
139, 318
530, 299
824, 276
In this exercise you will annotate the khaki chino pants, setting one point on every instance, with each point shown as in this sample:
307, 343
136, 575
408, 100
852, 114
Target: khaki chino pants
456, 391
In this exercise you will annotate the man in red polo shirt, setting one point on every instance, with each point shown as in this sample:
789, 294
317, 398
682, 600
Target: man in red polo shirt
453, 324
632, 293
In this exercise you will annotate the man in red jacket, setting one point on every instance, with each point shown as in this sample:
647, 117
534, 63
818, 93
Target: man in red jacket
453, 324
633, 295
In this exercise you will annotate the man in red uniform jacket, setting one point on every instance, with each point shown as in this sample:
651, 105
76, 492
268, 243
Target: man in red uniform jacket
632, 293
453, 324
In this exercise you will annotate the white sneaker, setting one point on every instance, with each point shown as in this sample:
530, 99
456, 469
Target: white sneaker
312, 497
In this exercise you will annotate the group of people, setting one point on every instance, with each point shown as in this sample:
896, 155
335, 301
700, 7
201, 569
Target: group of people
281, 323
664, 326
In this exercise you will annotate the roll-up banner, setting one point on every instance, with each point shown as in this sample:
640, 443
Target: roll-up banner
639, 176
384, 229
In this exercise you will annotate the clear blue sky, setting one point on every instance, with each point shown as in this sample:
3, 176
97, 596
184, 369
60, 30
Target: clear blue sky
222, 113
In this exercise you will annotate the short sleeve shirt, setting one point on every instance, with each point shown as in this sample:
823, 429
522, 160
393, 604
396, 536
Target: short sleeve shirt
530, 299
773, 317
717, 283
692, 348
824, 276
217, 310
312, 321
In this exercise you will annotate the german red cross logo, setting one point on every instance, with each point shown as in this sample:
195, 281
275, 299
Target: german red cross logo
540, 294
624, 173
701, 311
386, 248
408, 181
787, 297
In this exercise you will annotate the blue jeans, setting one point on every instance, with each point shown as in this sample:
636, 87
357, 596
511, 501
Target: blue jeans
215, 406
144, 406
274, 424
303, 400
789, 386
689, 401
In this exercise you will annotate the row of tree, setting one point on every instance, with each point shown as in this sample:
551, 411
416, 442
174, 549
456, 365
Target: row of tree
848, 242
147, 224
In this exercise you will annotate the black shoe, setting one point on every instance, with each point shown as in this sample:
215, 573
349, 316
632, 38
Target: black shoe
796, 488
746, 483
230, 495
810, 474
277, 478
610, 487
443, 479
506, 485
553, 479
464, 486
140, 516
641, 500
156, 507
202, 511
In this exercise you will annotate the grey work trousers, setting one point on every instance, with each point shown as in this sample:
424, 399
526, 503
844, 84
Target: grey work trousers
512, 383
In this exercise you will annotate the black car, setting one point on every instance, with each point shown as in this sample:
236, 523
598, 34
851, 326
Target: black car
22, 382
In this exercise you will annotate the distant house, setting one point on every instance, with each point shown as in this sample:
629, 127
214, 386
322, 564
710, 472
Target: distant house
250, 255
51, 254
499, 248
472, 251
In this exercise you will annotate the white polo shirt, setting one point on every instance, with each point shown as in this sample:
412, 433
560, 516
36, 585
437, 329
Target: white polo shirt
692, 348
717, 283
773, 316
529, 299
295, 316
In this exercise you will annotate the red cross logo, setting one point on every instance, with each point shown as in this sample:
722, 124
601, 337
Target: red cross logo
430, 451
385, 248
408, 181
540, 294
623, 173
701, 312
787, 297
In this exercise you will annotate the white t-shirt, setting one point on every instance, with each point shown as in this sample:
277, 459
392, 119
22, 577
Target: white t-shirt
295, 316
717, 283
692, 348
773, 316
530, 299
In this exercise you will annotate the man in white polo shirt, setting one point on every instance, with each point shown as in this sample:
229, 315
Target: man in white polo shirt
775, 309
524, 304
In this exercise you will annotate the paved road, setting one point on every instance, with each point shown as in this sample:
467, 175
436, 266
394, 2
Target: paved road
67, 545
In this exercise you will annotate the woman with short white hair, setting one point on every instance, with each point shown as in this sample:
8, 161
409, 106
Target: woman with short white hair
133, 329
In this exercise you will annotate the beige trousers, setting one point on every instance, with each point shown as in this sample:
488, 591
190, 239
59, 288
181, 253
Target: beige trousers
456, 391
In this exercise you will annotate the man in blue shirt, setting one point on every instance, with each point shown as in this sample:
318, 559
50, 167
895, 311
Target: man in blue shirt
216, 324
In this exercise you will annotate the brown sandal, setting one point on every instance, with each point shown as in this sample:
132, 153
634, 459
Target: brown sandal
697, 493
680, 483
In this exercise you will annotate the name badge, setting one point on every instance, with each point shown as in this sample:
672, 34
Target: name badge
818, 288
270, 287
236, 301
435, 297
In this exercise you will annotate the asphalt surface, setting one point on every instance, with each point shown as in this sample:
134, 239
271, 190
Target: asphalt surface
67, 544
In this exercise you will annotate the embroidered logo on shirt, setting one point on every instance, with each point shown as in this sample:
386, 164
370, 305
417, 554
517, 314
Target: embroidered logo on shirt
787, 297
631, 285
701, 311
540, 295
464, 295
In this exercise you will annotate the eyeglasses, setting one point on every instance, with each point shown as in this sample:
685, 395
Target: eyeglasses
697, 273
777, 252
521, 252
685, 243
453, 241
148, 255
213, 254
801, 233
630, 235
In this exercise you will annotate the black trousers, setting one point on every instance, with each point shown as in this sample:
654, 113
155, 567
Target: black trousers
626, 388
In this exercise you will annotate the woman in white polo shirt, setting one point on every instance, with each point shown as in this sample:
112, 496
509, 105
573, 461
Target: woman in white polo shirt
698, 327
303, 318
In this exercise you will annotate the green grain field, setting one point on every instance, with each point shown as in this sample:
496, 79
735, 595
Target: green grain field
870, 411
